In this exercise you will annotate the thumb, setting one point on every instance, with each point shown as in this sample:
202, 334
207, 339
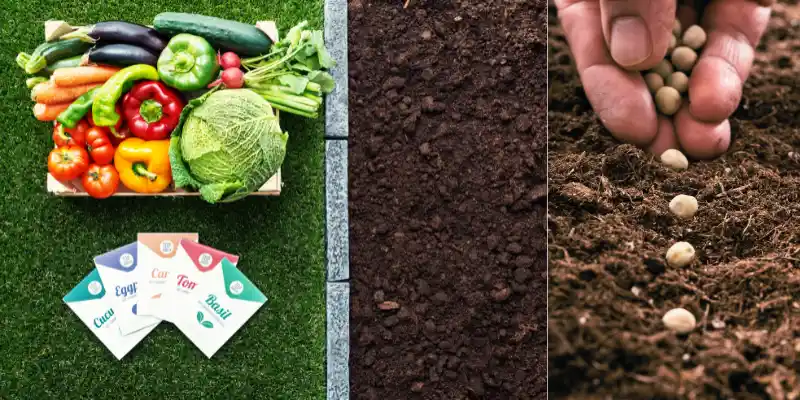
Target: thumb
638, 32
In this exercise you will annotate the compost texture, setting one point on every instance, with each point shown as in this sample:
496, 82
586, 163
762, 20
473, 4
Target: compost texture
448, 199
610, 227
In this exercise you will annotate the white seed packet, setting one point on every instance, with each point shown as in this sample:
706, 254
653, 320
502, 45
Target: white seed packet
156, 252
119, 270
190, 263
90, 301
222, 302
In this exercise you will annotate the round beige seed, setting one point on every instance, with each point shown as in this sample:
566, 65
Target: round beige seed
673, 43
674, 159
664, 68
679, 320
654, 81
683, 206
668, 100
676, 28
680, 255
679, 81
694, 37
683, 58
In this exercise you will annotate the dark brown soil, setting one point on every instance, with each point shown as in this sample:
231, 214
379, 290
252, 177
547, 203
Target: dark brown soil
610, 227
448, 199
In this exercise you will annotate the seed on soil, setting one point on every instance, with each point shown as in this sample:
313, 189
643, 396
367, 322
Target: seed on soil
683, 58
668, 100
676, 28
679, 81
694, 37
683, 206
664, 68
654, 81
679, 320
389, 305
680, 255
674, 159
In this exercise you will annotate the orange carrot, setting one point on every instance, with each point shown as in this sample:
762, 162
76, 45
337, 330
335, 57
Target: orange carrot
50, 93
49, 112
76, 76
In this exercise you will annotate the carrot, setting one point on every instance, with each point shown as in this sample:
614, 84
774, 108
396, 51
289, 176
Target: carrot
76, 76
49, 112
50, 93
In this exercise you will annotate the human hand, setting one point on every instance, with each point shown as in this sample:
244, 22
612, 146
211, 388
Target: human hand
613, 40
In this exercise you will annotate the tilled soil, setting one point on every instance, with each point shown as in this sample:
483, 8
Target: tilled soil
448, 199
610, 226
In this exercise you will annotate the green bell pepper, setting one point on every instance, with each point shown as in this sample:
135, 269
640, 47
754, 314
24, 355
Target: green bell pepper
104, 111
77, 110
188, 63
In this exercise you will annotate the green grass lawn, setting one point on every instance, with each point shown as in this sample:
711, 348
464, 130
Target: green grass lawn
47, 245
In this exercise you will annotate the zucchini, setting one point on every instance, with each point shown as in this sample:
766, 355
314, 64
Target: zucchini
225, 35
49, 53
65, 63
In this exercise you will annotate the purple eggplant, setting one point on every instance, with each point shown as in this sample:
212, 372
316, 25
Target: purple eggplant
122, 55
112, 32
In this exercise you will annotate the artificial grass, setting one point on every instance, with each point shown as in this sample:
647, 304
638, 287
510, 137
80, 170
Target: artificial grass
47, 245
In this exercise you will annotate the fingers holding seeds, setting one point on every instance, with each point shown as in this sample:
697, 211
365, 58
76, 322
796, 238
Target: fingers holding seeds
637, 32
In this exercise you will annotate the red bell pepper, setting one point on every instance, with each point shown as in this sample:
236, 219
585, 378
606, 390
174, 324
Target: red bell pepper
152, 110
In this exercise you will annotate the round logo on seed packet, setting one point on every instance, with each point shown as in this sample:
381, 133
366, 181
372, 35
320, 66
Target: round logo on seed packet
236, 287
167, 247
95, 288
126, 260
205, 260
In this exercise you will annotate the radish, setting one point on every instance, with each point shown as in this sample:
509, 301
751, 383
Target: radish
230, 60
233, 78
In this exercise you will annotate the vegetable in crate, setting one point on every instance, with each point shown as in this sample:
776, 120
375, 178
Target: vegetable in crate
120, 32
77, 110
227, 144
68, 162
238, 37
151, 110
48, 112
66, 136
188, 63
49, 53
100, 181
100, 147
66, 77
65, 63
121, 55
117, 133
50, 93
143, 166
105, 100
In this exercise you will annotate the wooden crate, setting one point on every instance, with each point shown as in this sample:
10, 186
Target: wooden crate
75, 189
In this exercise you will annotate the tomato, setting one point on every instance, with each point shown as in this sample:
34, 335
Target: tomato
116, 127
101, 181
100, 147
68, 162
76, 136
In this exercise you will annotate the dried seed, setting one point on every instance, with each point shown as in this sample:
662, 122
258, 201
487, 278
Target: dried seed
683, 206
668, 100
664, 68
680, 255
654, 81
679, 320
683, 58
679, 81
694, 37
676, 28
674, 159
673, 43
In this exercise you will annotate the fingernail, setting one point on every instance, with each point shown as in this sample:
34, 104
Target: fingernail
630, 41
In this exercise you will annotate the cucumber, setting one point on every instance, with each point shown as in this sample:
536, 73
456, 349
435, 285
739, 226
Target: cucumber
49, 53
240, 38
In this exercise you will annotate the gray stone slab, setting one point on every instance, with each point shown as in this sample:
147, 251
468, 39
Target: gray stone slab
338, 340
336, 112
337, 233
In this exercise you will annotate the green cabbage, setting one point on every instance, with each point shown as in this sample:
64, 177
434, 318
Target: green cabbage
227, 144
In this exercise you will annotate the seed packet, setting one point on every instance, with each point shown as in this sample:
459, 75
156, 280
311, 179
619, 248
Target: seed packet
156, 252
191, 261
90, 301
223, 300
119, 270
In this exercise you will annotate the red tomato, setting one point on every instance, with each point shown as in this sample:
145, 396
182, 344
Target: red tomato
100, 147
116, 127
64, 136
68, 162
101, 181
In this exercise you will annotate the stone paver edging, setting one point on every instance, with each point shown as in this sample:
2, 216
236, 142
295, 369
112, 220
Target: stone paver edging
337, 232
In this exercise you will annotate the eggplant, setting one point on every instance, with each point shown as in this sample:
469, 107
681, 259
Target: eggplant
111, 32
122, 55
